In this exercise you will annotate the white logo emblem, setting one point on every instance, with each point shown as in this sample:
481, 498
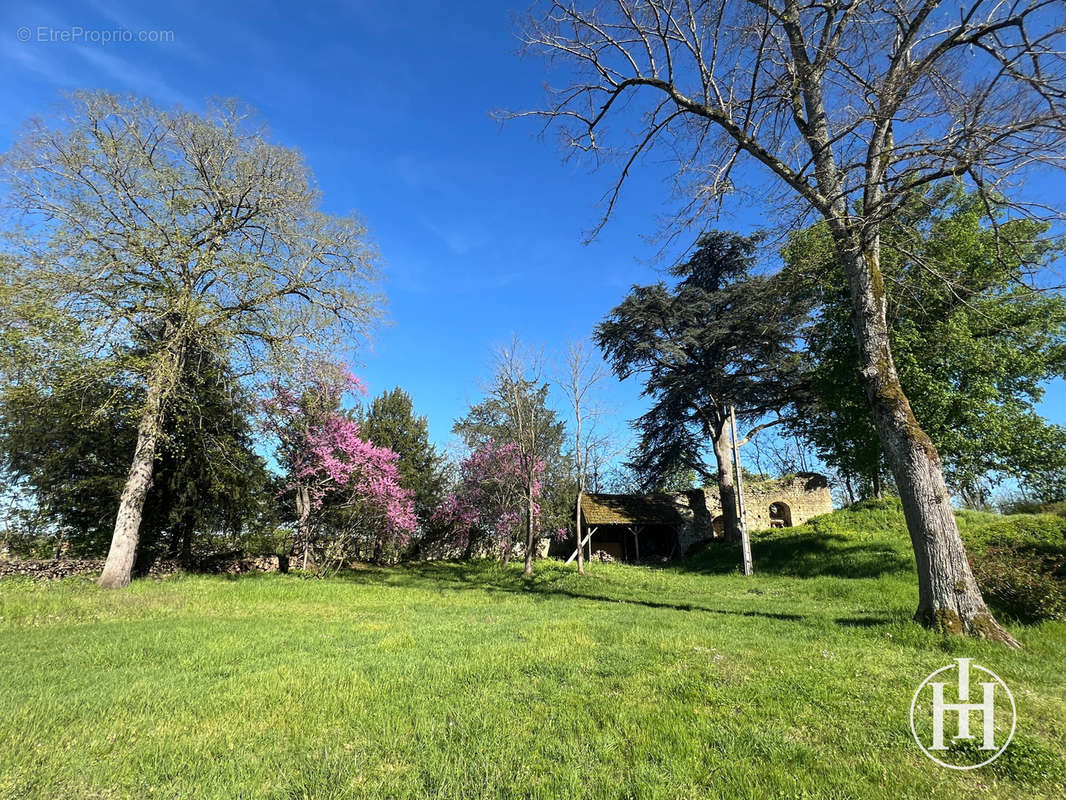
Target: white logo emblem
932, 740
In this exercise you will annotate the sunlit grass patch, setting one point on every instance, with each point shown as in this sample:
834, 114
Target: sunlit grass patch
470, 680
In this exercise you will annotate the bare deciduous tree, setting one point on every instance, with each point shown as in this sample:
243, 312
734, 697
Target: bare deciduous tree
851, 106
520, 389
583, 371
171, 229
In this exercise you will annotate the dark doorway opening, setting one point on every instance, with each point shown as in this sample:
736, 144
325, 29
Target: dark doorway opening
780, 515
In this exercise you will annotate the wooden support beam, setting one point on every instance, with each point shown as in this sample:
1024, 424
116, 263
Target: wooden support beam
582, 544
635, 530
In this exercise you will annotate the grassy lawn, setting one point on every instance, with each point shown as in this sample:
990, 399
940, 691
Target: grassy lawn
466, 680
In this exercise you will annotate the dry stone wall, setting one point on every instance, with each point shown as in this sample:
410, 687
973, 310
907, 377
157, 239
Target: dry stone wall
775, 503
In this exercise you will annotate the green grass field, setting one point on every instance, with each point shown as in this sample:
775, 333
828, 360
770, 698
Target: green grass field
466, 680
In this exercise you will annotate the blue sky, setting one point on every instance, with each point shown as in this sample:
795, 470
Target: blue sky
481, 226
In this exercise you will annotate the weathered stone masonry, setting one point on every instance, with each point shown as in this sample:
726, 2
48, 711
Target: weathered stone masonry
778, 503
661, 526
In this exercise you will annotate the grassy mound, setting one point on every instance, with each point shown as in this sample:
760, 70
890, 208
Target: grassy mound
469, 680
1019, 560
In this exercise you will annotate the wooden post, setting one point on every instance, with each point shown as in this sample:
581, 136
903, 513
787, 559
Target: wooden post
745, 542
577, 524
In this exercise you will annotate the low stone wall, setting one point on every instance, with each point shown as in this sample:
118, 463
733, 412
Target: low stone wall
446, 551
51, 569
57, 568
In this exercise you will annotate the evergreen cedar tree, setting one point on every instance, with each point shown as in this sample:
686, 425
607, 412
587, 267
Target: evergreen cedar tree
718, 337
390, 422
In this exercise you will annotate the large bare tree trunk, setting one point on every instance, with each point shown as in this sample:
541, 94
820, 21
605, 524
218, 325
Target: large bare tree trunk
727, 492
948, 596
123, 551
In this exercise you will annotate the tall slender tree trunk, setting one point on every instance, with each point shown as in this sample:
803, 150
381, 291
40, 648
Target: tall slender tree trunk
727, 492
303, 523
578, 456
577, 527
529, 528
948, 596
123, 551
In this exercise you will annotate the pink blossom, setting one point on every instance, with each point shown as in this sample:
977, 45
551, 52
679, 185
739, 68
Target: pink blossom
324, 455
491, 497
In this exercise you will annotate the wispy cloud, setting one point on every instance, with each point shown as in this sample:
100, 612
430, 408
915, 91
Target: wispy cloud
133, 75
459, 241
26, 56
122, 16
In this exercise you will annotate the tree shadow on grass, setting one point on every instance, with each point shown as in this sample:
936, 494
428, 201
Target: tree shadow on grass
803, 555
492, 578
864, 622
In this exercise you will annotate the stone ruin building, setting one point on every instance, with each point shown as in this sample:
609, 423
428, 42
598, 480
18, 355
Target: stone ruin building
631, 527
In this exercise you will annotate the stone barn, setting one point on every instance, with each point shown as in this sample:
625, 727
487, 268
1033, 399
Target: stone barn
632, 527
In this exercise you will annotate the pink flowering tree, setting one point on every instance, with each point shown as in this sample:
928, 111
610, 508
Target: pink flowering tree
489, 502
332, 472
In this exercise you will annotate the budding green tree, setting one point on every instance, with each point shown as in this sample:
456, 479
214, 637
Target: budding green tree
185, 231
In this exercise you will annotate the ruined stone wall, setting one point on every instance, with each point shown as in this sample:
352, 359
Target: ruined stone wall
801, 497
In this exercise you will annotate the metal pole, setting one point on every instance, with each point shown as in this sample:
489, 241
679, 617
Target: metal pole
745, 542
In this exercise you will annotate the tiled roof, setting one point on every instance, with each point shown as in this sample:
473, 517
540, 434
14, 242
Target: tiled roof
629, 509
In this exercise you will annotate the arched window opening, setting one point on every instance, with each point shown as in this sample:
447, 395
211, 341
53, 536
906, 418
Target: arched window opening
780, 515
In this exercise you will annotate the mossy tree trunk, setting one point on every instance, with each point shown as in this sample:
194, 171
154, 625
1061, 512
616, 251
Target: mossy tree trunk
948, 596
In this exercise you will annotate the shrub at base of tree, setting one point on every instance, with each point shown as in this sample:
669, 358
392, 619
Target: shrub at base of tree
1024, 585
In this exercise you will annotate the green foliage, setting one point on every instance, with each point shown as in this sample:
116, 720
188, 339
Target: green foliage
1033, 507
1019, 561
70, 446
1025, 585
390, 422
972, 344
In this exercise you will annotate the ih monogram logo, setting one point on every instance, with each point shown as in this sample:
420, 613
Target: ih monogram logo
958, 714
